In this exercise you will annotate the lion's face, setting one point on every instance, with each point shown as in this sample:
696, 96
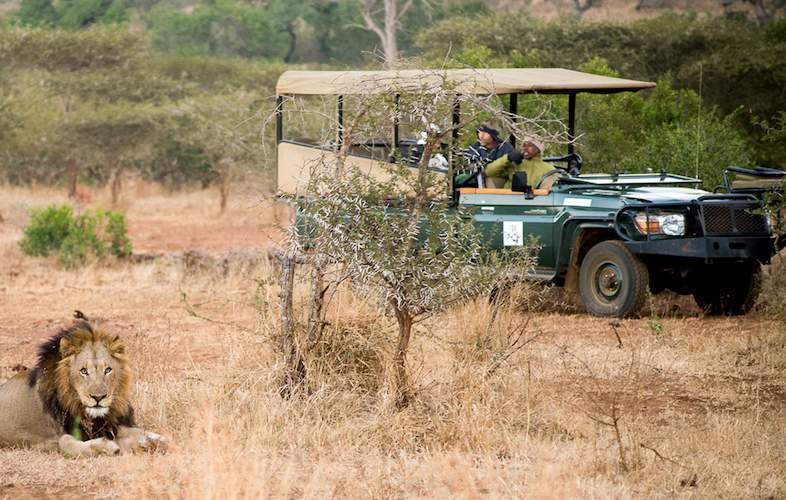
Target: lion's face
95, 370
93, 375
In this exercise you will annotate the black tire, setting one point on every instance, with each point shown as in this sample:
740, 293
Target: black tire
612, 281
729, 290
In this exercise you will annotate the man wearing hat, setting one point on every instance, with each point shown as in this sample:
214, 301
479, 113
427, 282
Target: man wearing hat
489, 146
527, 160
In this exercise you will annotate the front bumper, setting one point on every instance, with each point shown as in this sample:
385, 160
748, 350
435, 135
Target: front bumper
719, 227
759, 248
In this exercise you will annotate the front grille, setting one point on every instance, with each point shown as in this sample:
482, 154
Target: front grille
725, 219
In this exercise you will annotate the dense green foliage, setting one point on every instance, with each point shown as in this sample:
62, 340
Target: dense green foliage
58, 50
75, 239
47, 230
223, 27
737, 66
96, 104
276, 29
171, 104
70, 14
663, 129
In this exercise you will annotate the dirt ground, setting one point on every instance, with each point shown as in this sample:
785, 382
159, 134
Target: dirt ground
669, 404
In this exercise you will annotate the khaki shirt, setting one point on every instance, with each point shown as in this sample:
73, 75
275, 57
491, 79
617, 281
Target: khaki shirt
535, 168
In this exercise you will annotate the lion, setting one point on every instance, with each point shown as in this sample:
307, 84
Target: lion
76, 398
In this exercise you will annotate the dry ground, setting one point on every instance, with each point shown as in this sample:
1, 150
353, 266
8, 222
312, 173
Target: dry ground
699, 403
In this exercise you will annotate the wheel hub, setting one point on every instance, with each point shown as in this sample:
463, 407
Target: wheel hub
609, 280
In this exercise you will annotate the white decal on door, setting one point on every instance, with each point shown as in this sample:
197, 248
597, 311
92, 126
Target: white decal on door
577, 202
512, 233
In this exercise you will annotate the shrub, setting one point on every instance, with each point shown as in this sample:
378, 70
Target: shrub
94, 48
47, 230
223, 27
70, 14
76, 239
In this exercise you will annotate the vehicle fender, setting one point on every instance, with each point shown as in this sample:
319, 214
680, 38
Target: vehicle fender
576, 241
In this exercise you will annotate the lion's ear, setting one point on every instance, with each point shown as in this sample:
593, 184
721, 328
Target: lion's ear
66, 347
116, 346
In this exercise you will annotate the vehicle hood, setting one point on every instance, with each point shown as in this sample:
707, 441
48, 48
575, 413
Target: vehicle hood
663, 194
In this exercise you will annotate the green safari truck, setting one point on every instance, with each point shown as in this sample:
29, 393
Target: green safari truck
612, 238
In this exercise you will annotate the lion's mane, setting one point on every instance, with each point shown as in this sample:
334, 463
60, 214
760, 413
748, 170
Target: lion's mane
51, 377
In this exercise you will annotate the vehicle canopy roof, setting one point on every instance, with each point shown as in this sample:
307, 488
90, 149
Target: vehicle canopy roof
466, 81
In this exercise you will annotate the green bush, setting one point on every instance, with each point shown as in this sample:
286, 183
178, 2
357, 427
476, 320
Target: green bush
70, 14
222, 27
93, 234
36, 13
95, 48
47, 230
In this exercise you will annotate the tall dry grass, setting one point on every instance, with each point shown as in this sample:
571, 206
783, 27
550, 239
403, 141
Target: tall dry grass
538, 402
693, 409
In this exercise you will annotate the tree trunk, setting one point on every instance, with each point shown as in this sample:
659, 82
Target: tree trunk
290, 31
294, 368
390, 44
401, 384
224, 183
387, 30
72, 173
316, 322
116, 185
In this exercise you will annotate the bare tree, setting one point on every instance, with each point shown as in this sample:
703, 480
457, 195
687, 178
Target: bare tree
395, 236
383, 18
225, 129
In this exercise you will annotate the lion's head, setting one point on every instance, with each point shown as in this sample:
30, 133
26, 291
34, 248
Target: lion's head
84, 380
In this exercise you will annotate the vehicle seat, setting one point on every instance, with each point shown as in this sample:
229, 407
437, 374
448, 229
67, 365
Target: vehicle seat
549, 178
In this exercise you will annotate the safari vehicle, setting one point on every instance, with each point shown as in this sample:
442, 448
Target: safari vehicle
610, 237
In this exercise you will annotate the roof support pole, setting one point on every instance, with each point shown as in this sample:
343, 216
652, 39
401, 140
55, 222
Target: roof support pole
396, 138
513, 109
340, 121
454, 142
279, 119
279, 127
571, 122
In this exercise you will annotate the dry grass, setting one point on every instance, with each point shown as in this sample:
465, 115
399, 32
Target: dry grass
686, 405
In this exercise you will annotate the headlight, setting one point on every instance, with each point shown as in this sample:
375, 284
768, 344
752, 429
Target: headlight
770, 221
670, 225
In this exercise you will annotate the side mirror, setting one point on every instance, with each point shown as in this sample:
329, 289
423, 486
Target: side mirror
519, 183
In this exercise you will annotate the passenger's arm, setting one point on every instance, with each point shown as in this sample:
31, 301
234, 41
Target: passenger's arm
499, 167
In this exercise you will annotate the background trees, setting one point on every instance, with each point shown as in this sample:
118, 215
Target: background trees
721, 95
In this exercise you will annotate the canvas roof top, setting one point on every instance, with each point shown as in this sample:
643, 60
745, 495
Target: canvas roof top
467, 81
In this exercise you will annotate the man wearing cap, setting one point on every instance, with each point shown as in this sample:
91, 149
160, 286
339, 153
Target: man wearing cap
527, 160
489, 146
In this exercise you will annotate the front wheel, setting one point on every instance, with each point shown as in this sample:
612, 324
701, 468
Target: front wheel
730, 290
612, 281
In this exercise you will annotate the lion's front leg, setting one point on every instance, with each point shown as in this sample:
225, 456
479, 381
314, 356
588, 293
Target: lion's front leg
73, 447
133, 439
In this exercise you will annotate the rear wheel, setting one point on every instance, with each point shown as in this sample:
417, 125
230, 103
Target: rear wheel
729, 289
612, 281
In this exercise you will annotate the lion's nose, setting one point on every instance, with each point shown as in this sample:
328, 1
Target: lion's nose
98, 397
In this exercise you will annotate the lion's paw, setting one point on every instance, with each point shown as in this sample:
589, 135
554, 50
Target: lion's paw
153, 443
102, 446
